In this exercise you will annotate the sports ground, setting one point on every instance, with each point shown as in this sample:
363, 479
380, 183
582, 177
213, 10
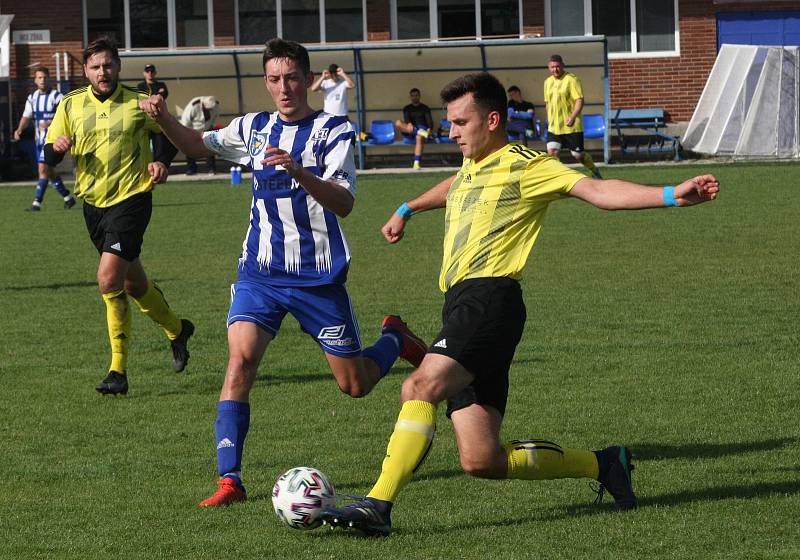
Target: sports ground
674, 332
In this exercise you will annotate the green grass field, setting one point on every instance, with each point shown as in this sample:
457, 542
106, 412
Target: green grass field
672, 331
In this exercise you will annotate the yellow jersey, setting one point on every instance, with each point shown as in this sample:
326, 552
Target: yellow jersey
110, 143
560, 96
495, 209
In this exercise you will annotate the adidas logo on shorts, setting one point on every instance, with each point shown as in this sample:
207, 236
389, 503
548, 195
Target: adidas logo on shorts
441, 344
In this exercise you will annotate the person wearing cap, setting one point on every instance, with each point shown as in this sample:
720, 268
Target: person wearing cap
200, 114
150, 85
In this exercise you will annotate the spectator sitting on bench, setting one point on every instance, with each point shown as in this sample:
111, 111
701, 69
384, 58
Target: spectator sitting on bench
522, 128
563, 97
417, 123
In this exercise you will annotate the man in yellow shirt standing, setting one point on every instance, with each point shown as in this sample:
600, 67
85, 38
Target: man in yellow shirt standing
494, 209
109, 137
563, 96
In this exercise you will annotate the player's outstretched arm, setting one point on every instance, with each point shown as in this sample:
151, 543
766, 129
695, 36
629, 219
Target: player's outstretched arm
614, 194
435, 197
187, 140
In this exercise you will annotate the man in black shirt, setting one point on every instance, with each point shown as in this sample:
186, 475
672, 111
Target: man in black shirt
150, 85
520, 126
417, 123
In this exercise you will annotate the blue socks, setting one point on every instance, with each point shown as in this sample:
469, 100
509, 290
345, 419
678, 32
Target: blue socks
233, 421
384, 352
40, 187
58, 185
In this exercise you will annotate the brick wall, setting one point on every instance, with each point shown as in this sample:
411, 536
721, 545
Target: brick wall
224, 24
676, 83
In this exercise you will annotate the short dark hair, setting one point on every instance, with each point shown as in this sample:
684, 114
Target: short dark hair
42, 69
102, 43
512, 88
413, 89
487, 92
333, 68
556, 58
278, 48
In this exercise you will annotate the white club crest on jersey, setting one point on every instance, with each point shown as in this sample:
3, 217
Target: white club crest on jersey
258, 142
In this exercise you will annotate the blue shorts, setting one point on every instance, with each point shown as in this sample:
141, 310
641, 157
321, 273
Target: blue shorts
40, 152
324, 312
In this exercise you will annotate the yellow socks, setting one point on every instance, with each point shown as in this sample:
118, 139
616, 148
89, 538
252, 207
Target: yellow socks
410, 441
588, 163
118, 318
541, 460
153, 304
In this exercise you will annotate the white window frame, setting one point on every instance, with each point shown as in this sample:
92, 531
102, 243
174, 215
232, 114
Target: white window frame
433, 22
634, 53
172, 24
322, 31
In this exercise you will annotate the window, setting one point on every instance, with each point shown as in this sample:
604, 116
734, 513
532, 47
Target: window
149, 28
499, 17
105, 17
413, 19
258, 21
456, 18
191, 21
301, 21
150, 24
344, 21
631, 26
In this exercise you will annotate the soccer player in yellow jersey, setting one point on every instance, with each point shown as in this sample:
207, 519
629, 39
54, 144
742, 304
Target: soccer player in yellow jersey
563, 96
494, 209
108, 135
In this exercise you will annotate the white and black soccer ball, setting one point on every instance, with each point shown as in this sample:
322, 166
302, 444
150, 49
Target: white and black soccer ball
300, 495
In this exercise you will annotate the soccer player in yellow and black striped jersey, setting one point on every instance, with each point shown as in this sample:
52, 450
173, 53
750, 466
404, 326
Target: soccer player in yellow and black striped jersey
563, 97
109, 137
495, 206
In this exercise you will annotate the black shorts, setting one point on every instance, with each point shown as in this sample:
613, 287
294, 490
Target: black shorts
483, 322
572, 141
119, 229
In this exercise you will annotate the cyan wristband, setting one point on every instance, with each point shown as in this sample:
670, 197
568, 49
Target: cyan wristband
405, 211
668, 195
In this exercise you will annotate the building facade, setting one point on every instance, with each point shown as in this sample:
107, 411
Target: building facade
660, 51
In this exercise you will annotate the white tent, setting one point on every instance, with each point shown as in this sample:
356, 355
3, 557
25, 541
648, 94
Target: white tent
750, 106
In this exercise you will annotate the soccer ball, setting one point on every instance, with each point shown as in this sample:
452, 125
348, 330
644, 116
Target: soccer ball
300, 495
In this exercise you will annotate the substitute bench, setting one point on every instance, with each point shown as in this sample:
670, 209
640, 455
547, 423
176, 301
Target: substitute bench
652, 122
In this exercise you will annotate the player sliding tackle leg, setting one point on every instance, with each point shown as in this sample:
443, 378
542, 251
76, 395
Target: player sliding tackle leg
494, 209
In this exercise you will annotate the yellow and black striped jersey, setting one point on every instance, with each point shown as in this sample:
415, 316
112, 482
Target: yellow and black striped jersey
110, 143
495, 209
560, 96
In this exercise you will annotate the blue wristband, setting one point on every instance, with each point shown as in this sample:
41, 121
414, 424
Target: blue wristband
405, 211
668, 194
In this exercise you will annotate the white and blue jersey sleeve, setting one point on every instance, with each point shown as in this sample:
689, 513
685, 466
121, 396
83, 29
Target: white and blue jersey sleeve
41, 108
291, 240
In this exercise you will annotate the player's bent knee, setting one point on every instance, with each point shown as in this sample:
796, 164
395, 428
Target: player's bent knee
577, 154
482, 467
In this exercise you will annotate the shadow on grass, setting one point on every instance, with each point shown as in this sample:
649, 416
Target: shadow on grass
652, 451
55, 286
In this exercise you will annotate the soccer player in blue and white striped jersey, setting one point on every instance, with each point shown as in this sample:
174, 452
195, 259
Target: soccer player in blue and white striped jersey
40, 108
295, 256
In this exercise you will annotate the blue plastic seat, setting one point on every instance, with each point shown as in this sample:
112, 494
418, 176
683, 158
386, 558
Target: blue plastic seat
443, 134
594, 126
381, 132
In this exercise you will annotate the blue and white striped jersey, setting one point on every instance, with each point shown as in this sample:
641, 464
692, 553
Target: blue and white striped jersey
292, 240
41, 107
